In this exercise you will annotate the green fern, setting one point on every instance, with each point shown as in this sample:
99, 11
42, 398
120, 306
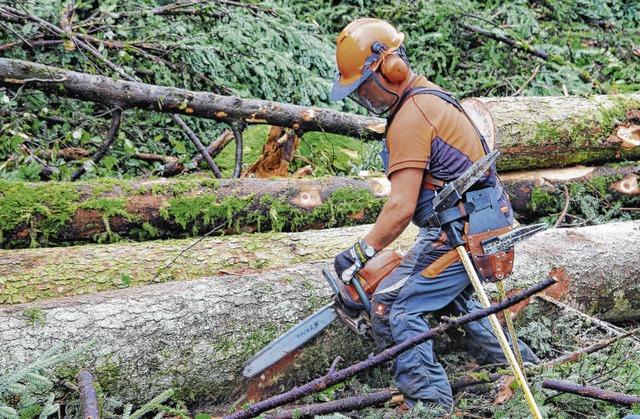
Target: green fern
28, 392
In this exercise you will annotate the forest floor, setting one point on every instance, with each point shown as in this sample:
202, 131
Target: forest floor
551, 331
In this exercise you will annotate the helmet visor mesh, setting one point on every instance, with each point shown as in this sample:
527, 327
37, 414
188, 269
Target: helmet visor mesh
373, 96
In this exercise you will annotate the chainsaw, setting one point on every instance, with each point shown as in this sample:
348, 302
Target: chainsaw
351, 302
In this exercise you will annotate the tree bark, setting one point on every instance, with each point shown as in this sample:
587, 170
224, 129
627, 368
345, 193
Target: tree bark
29, 275
144, 210
33, 214
591, 392
540, 193
194, 335
532, 132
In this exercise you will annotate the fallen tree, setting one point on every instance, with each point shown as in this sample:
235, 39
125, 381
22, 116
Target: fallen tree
107, 211
194, 335
53, 213
539, 193
601, 286
532, 132
37, 274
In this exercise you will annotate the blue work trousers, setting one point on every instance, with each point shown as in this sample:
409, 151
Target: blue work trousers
399, 306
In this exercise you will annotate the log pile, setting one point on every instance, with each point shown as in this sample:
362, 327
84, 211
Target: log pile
194, 335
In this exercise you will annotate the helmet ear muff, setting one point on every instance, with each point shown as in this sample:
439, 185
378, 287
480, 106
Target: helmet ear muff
394, 68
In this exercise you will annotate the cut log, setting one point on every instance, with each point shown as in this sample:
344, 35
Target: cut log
104, 212
108, 211
195, 335
532, 132
36, 274
540, 193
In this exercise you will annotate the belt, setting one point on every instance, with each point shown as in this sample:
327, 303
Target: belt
432, 183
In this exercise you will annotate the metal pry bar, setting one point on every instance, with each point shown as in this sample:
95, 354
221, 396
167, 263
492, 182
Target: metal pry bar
453, 191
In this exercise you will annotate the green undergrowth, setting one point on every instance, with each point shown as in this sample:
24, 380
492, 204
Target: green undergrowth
37, 390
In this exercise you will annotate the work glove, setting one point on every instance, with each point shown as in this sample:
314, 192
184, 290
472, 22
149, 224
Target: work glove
350, 261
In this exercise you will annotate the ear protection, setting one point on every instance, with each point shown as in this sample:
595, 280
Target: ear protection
394, 68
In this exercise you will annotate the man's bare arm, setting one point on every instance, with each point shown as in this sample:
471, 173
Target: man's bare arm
398, 210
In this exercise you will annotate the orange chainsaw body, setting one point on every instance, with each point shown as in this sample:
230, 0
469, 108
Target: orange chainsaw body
377, 269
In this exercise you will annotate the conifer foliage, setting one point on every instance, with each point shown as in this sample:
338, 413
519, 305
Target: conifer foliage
284, 51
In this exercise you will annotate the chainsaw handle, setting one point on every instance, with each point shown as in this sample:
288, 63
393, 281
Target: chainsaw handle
364, 299
331, 280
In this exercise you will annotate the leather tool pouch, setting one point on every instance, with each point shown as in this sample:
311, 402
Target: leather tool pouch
495, 267
486, 221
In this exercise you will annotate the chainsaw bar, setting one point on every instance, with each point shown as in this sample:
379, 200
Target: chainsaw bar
506, 241
291, 340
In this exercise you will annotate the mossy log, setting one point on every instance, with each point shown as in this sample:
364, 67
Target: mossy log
541, 193
106, 211
28, 275
532, 132
54, 213
195, 335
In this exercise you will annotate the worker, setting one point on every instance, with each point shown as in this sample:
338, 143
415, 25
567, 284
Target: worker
429, 141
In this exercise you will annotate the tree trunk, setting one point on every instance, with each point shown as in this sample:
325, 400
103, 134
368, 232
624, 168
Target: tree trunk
532, 132
540, 193
36, 274
105, 212
195, 335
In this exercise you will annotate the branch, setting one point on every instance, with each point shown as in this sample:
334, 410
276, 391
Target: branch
529, 80
237, 134
566, 207
47, 170
522, 46
196, 141
88, 396
525, 47
574, 356
344, 405
591, 392
102, 151
470, 380
335, 377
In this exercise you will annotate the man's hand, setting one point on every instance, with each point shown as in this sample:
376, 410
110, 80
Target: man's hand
350, 261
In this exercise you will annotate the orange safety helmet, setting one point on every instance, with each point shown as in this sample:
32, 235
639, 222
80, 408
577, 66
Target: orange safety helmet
360, 49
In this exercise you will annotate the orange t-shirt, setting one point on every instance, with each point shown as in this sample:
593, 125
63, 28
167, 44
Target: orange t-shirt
429, 133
